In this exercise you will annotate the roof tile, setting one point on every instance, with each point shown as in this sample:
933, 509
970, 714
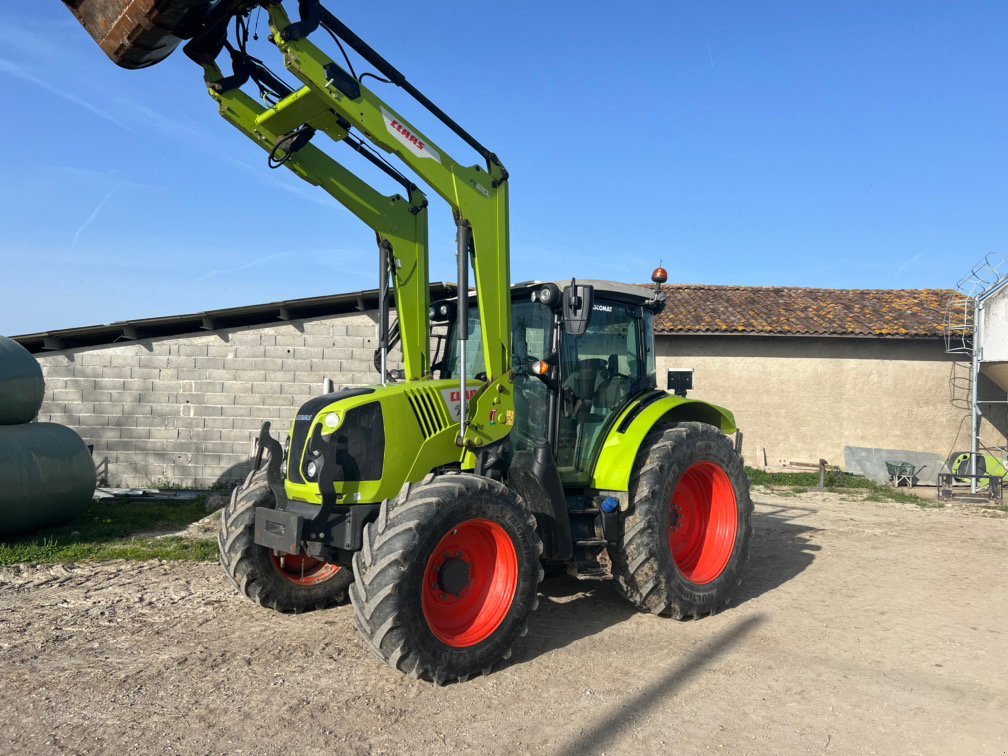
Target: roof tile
786, 310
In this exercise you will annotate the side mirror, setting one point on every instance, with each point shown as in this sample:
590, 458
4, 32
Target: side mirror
577, 308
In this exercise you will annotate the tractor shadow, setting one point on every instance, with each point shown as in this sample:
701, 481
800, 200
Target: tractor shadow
657, 697
571, 610
782, 548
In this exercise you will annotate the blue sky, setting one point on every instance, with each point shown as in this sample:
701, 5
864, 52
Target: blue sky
835, 144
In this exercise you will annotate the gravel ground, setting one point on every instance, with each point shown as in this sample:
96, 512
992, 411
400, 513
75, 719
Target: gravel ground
861, 627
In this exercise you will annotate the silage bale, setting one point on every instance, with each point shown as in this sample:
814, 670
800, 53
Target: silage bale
47, 477
22, 386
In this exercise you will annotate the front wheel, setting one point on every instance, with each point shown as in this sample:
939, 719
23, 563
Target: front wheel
284, 582
447, 577
685, 540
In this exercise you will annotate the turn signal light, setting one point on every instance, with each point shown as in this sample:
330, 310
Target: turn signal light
541, 368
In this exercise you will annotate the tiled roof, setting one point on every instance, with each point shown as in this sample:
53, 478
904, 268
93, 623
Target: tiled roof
785, 310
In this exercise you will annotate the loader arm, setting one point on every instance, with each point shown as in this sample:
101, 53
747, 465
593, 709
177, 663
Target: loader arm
399, 223
478, 197
335, 102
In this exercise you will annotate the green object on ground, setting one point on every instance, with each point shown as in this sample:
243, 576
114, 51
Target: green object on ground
901, 472
46, 477
987, 465
21, 384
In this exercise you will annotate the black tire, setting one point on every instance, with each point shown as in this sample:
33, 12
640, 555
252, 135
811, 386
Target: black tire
644, 565
389, 591
252, 568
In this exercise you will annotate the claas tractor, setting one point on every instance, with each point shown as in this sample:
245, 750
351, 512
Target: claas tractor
520, 431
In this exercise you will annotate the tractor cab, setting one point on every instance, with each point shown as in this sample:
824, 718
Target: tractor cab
569, 387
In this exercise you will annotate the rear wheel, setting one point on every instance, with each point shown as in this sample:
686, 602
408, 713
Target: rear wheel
447, 577
686, 537
284, 582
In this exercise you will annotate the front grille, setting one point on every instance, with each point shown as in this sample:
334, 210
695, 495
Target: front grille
302, 422
356, 450
430, 412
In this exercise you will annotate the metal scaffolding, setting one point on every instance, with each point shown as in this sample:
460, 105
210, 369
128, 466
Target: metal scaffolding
962, 330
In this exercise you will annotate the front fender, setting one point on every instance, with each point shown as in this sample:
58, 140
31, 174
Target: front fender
619, 452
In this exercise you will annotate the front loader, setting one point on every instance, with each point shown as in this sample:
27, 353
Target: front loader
526, 433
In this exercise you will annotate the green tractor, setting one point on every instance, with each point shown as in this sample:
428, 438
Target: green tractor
525, 430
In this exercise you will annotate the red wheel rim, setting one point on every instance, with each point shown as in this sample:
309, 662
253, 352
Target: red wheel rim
470, 583
303, 570
703, 522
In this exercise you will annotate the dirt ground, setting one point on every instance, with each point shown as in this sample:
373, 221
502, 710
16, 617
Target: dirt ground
862, 627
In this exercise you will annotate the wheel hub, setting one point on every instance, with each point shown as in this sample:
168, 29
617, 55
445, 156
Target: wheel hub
303, 570
470, 583
453, 576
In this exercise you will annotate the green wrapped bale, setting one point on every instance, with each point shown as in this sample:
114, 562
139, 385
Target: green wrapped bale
46, 477
22, 386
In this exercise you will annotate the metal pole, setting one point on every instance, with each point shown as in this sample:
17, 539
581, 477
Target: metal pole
975, 392
553, 408
463, 237
383, 307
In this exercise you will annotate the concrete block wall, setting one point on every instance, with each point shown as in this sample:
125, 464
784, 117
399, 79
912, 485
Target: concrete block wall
184, 409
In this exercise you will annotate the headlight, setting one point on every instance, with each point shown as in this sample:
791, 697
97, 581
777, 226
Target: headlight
311, 469
332, 420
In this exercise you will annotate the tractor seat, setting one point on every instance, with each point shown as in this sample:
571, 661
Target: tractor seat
584, 382
610, 385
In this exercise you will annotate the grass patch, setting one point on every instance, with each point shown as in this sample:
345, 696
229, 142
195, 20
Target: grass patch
833, 479
108, 530
886, 493
795, 484
164, 484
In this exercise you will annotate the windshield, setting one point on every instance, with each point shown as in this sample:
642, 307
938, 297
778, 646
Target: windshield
532, 327
475, 365
599, 371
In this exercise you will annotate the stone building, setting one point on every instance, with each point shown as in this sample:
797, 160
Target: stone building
806, 371
810, 371
179, 399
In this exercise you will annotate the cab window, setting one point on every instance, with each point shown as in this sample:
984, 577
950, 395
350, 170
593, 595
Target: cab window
600, 369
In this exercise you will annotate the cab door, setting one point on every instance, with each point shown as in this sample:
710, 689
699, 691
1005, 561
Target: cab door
600, 370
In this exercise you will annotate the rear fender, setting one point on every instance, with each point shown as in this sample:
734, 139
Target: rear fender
619, 452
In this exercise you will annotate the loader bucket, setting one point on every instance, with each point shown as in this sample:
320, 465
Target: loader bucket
138, 33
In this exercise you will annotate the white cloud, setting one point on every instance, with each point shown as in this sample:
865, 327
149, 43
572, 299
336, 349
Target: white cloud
90, 220
238, 268
18, 72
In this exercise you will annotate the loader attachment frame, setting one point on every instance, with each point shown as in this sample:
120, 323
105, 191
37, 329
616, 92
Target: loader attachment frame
334, 102
399, 223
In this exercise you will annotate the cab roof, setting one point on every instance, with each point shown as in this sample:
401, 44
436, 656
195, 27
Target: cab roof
632, 292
